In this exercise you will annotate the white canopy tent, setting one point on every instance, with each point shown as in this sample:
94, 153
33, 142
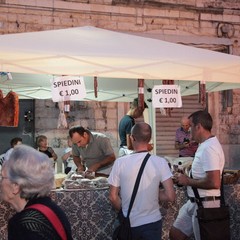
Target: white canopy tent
38, 86
117, 59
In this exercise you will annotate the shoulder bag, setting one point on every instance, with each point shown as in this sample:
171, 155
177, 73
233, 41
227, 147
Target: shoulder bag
123, 231
214, 223
52, 217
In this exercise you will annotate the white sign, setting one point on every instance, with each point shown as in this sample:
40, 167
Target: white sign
166, 96
68, 88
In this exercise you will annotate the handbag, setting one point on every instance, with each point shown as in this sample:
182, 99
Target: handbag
52, 217
123, 231
214, 223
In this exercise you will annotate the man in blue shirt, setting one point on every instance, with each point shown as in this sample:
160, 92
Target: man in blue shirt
125, 126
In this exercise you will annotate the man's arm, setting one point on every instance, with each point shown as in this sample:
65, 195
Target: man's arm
114, 197
178, 141
167, 193
177, 145
129, 142
78, 162
180, 146
211, 181
105, 162
66, 155
54, 155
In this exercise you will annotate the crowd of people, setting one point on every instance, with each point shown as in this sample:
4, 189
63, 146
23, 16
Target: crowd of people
27, 177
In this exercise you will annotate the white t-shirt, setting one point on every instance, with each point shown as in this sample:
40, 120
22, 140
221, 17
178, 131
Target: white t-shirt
208, 157
7, 154
124, 173
69, 162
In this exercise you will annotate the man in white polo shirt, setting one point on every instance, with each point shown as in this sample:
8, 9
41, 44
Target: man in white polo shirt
206, 171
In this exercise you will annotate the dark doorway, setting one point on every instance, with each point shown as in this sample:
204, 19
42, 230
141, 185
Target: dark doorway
25, 128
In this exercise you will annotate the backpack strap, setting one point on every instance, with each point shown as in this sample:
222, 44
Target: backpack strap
135, 189
52, 217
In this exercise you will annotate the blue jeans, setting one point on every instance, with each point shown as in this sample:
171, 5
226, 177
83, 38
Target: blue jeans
150, 231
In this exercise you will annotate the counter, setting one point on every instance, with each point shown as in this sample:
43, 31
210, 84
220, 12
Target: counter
92, 216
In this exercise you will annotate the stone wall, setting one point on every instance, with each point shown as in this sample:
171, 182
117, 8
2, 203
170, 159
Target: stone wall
186, 17
229, 129
209, 24
96, 116
225, 111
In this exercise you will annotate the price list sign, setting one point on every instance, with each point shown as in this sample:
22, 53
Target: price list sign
166, 96
68, 88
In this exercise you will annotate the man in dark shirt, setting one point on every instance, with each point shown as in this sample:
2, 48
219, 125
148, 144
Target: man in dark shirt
125, 126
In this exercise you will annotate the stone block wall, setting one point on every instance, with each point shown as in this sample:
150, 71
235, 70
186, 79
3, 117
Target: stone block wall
225, 112
96, 116
186, 17
229, 129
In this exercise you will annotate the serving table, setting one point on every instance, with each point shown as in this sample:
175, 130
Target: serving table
92, 217
89, 212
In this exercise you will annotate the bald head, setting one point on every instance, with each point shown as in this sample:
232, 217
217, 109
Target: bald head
185, 123
142, 132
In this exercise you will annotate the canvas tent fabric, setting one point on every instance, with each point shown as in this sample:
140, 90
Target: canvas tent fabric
38, 86
117, 59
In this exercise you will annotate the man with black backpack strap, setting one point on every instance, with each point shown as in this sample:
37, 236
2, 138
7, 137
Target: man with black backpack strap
145, 216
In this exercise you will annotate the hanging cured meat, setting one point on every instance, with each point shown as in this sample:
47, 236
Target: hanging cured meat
62, 121
168, 82
202, 93
95, 87
9, 109
141, 93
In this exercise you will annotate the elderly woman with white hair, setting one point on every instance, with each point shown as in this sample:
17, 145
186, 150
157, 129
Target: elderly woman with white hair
27, 178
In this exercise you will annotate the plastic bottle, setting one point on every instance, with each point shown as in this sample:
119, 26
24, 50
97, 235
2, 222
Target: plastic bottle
180, 170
